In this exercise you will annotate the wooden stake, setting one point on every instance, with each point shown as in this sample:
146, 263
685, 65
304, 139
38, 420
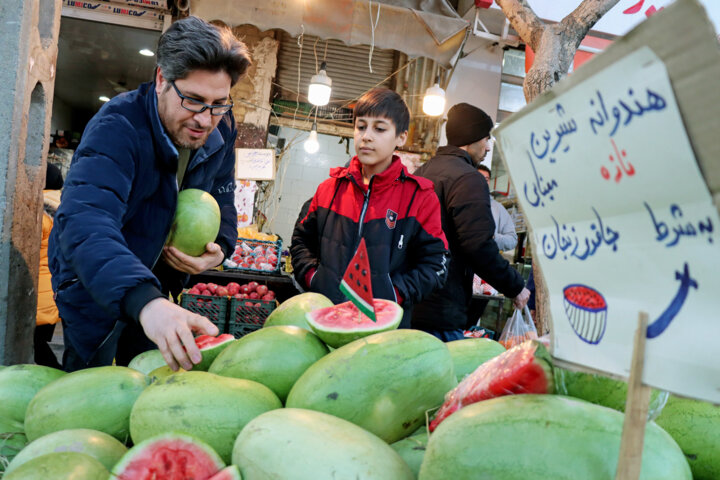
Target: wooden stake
636, 410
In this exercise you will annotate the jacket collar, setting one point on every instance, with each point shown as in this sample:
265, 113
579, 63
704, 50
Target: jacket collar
452, 150
395, 171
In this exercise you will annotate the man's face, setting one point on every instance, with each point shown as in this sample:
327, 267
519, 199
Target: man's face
189, 129
479, 150
485, 174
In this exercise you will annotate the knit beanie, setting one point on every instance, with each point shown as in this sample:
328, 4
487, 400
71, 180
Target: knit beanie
467, 124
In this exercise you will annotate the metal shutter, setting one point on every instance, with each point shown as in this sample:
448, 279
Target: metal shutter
347, 66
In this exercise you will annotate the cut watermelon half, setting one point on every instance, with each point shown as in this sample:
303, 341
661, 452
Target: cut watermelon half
341, 324
170, 456
210, 347
356, 283
525, 368
229, 473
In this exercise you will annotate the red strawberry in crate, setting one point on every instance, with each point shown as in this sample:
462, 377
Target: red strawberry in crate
252, 286
267, 296
261, 290
212, 287
233, 288
243, 295
254, 295
206, 292
244, 289
272, 259
194, 291
238, 296
222, 292
200, 286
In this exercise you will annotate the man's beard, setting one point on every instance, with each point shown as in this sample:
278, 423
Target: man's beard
191, 144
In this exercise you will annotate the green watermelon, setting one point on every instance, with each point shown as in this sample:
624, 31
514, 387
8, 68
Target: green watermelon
340, 324
60, 466
196, 222
210, 347
19, 384
525, 368
98, 398
695, 426
101, 446
412, 450
12, 441
603, 391
148, 361
161, 374
300, 444
470, 353
384, 383
207, 406
275, 357
292, 311
542, 437
170, 456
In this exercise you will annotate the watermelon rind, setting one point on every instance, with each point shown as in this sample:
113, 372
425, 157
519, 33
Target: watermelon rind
12, 441
147, 361
412, 450
98, 398
19, 384
172, 441
101, 446
228, 473
60, 466
211, 352
337, 337
542, 437
468, 354
300, 444
292, 311
359, 301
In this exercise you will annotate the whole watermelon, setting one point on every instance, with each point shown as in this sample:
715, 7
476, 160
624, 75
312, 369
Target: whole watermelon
60, 466
470, 353
196, 222
385, 383
19, 384
292, 311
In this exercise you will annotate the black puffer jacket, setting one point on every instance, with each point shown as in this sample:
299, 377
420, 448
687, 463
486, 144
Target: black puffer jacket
468, 225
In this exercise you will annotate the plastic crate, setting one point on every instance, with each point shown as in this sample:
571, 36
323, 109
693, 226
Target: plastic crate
252, 244
247, 315
213, 308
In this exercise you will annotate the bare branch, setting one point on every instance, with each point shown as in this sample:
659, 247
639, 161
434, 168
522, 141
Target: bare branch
523, 20
584, 17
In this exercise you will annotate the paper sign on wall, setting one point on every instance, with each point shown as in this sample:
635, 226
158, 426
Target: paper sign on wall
622, 222
255, 163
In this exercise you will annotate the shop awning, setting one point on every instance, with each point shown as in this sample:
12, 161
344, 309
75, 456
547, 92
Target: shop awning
425, 28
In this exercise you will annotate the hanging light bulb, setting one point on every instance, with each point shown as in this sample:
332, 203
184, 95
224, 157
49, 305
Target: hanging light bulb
312, 145
320, 87
434, 101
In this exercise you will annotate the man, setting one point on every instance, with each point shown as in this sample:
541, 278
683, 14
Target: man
468, 225
505, 235
110, 269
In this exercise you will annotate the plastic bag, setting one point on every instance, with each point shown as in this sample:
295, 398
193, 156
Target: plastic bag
518, 329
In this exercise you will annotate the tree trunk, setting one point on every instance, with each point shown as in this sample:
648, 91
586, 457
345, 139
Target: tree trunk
554, 46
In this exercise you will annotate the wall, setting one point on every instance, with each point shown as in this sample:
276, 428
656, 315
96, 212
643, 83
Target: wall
299, 174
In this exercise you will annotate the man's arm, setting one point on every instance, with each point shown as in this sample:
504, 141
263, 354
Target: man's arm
304, 247
505, 235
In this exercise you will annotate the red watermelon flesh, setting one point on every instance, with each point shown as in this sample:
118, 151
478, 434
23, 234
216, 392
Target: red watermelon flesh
343, 323
356, 283
229, 473
204, 342
525, 368
210, 347
169, 456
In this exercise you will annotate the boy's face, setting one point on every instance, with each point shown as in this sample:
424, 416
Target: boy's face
376, 140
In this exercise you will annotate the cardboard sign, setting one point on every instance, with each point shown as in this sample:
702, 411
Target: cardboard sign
622, 220
255, 163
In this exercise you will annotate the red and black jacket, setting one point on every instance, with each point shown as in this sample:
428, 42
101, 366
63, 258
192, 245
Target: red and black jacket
398, 215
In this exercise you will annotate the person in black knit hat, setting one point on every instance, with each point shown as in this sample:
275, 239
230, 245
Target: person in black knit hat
468, 225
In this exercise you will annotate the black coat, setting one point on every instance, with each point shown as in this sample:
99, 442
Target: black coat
469, 227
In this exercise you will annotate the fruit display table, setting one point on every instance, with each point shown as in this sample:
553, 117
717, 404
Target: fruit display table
281, 283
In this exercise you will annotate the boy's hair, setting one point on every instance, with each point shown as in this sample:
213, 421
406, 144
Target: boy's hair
484, 169
194, 44
383, 102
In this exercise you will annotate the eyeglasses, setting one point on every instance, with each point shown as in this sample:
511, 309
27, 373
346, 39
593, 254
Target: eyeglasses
196, 106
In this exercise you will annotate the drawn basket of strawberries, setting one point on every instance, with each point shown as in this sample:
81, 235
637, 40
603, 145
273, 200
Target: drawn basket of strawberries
257, 256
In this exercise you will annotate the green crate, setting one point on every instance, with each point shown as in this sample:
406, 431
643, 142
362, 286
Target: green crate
213, 308
247, 315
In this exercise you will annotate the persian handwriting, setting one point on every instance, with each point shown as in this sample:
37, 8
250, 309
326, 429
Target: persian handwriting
538, 189
620, 166
680, 228
567, 242
625, 111
547, 143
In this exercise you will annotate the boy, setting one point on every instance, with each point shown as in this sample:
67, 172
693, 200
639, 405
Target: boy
374, 198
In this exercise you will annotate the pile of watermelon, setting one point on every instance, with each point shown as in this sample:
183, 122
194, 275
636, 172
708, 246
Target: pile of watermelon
250, 290
283, 403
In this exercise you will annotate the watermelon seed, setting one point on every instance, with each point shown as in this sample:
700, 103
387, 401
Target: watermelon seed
351, 276
358, 283
357, 266
364, 272
365, 288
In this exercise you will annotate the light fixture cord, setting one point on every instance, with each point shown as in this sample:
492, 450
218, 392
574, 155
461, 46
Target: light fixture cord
373, 26
297, 98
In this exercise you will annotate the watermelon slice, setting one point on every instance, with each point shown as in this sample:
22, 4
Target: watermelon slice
210, 347
170, 456
525, 368
229, 473
341, 324
356, 284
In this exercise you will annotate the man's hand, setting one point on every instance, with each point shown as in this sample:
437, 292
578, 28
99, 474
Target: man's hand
171, 327
182, 262
521, 300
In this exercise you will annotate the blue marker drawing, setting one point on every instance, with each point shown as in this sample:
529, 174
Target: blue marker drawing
663, 321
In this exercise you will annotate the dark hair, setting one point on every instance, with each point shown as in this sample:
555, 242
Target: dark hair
383, 102
193, 44
484, 169
53, 177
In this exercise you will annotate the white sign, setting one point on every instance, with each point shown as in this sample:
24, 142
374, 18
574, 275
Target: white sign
622, 222
255, 163
620, 19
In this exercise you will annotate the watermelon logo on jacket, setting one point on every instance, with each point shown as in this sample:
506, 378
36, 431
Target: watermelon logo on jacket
390, 219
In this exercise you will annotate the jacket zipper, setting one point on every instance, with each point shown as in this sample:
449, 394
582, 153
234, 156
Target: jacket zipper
364, 207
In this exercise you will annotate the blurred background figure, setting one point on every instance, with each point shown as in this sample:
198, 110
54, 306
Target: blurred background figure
505, 235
